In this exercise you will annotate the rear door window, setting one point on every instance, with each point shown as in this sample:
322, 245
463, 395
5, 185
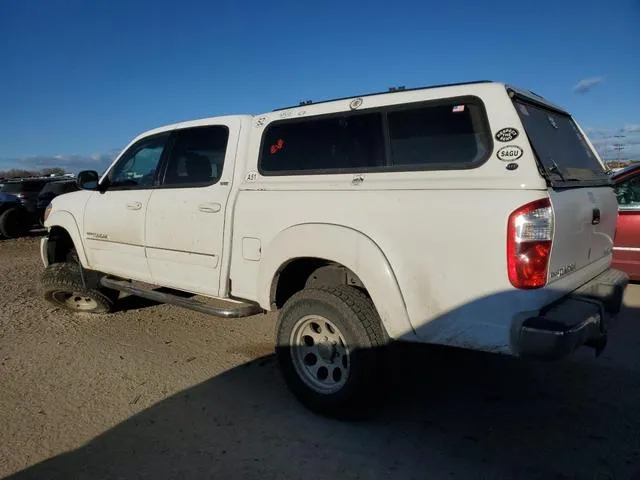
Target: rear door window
197, 157
562, 150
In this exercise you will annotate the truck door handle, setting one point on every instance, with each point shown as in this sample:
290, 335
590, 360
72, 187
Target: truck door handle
210, 207
134, 206
595, 217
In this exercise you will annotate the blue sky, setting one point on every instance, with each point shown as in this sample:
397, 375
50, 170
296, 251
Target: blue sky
80, 79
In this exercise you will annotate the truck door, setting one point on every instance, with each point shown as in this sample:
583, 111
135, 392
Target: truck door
114, 220
185, 219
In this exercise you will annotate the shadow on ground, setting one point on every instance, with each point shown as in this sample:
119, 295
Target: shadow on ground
448, 413
128, 302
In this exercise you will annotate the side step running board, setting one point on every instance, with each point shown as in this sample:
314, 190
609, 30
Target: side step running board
242, 310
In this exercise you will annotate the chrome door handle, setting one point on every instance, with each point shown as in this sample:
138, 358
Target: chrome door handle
134, 206
210, 207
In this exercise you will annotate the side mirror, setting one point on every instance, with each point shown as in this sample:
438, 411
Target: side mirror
88, 180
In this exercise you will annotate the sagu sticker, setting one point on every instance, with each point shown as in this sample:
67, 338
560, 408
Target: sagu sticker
509, 153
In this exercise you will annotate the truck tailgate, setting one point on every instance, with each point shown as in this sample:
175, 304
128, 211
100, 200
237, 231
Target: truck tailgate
584, 229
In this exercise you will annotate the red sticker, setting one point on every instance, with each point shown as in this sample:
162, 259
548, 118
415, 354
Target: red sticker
278, 146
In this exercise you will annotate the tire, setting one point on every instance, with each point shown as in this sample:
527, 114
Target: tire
14, 222
61, 285
341, 331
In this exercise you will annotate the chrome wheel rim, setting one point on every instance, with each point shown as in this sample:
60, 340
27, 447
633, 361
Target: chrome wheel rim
75, 301
320, 354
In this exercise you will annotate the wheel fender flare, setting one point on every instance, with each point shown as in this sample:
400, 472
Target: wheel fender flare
63, 219
345, 246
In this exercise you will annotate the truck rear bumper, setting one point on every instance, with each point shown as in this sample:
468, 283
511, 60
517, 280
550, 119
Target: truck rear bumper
581, 318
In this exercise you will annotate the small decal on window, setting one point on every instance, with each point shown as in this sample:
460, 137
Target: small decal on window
458, 108
277, 146
506, 134
509, 153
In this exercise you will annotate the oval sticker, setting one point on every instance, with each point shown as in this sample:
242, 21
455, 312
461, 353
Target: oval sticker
509, 153
355, 103
512, 166
506, 134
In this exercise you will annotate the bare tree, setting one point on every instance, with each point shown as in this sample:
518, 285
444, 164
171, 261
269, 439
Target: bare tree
19, 172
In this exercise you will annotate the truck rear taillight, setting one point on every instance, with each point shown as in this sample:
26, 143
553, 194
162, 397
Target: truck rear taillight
529, 237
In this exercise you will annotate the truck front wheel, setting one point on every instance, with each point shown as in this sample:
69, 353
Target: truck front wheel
61, 285
330, 345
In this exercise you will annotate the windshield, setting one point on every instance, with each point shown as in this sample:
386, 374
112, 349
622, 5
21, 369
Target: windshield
561, 149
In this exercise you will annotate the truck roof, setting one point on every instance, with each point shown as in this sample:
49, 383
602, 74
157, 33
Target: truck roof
390, 90
529, 95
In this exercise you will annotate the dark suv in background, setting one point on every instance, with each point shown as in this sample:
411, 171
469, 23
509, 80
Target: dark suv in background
19, 204
52, 190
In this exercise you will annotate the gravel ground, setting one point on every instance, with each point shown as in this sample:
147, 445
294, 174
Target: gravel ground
155, 391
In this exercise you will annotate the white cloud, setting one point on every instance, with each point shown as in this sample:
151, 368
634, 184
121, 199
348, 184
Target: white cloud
73, 163
586, 84
631, 128
598, 132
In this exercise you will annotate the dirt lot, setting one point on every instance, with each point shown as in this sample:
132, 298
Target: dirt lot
154, 391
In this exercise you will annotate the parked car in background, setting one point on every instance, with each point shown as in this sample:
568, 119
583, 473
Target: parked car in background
17, 217
52, 190
8, 203
626, 249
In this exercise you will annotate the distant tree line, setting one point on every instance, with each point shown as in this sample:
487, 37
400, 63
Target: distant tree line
18, 172
620, 164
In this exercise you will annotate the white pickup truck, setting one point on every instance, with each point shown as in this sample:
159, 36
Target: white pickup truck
474, 215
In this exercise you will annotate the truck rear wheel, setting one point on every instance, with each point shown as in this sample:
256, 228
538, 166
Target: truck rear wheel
330, 347
62, 286
14, 222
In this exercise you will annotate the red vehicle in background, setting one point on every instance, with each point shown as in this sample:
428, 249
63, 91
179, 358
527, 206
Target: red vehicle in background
626, 249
